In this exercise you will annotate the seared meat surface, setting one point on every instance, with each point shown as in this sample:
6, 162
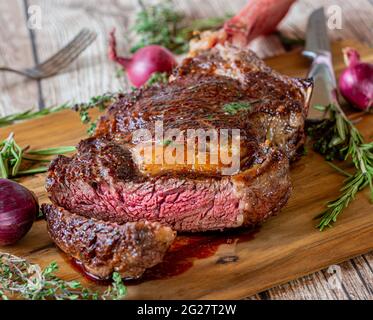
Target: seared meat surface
107, 186
105, 247
105, 181
201, 88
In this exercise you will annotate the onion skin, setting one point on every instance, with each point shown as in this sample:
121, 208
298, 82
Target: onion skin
356, 81
144, 62
18, 211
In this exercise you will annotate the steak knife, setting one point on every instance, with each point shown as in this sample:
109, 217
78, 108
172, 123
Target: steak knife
317, 49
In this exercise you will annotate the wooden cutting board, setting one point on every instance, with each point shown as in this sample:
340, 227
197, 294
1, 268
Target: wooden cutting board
286, 247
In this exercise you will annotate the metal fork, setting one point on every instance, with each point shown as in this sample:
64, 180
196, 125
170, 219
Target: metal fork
60, 60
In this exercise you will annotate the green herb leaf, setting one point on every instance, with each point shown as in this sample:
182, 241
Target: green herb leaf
162, 25
22, 279
167, 142
100, 102
290, 43
337, 138
157, 77
52, 151
32, 171
29, 114
12, 157
234, 107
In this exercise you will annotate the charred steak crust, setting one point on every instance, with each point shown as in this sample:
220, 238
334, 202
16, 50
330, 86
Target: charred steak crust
104, 181
201, 87
105, 247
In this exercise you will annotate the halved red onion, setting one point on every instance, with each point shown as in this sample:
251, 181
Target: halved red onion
18, 210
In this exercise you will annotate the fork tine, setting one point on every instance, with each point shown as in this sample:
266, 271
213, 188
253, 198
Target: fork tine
73, 42
81, 39
61, 61
73, 55
37, 72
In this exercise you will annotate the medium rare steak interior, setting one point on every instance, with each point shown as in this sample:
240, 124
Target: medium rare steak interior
106, 182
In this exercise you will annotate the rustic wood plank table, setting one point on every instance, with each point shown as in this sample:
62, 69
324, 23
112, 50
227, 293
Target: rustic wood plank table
92, 74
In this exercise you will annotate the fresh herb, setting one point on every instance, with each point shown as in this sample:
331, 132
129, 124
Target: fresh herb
290, 43
199, 25
51, 151
29, 114
22, 279
337, 138
233, 107
158, 24
119, 73
326, 134
167, 142
101, 102
12, 156
157, 77
117, 290
162, 25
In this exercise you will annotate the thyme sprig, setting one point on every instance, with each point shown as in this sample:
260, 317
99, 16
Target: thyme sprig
101, 102
161, 24
12, 157
336, 137
22, 279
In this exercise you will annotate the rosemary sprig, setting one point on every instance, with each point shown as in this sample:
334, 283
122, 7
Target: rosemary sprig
22, 279
101, 102
161, 24
337, 137
12, 156
51, 151
29, 114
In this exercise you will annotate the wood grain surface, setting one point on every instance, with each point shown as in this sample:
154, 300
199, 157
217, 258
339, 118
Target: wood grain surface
286, 247
92, 74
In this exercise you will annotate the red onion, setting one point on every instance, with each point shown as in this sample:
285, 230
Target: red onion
18, 210
144, 62
356, 81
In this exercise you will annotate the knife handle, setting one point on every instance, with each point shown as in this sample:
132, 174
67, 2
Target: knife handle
322, 73
322, 65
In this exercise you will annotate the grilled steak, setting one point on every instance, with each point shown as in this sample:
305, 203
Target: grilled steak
105, 247
115, 210
106, 181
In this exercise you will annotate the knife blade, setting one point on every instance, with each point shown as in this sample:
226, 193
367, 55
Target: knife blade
318, 50
316, 34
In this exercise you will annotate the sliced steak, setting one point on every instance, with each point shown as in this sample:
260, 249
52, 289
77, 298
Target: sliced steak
101, 182
105, 247
105, 181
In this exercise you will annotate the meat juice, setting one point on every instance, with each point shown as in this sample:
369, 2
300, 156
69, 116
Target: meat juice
184, 251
